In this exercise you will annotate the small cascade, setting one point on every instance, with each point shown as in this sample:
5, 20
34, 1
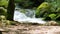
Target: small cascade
30, 13
27, 17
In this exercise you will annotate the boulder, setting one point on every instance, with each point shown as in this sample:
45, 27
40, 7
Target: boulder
51, 23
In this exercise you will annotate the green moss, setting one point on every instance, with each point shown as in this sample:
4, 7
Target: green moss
43, 5
3, 11
42, 9
52, 16
3, 3
48, 10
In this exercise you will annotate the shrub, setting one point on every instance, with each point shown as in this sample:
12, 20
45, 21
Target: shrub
42, 9
3, 3
52, 16
48, 11
3, 11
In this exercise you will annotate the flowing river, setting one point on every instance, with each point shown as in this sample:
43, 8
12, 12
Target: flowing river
27, 17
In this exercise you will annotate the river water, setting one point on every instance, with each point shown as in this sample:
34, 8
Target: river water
27, 17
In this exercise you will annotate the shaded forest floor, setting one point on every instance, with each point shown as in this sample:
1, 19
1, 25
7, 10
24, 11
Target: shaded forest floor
31, 29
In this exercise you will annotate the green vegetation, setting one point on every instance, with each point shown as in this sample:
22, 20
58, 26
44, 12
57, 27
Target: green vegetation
47, 9
29, 3
26, 3
3, 3
50, 10
42, 9
52, 16
3, 11
3, 7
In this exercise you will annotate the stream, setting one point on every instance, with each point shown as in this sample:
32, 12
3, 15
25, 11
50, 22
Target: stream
27, 17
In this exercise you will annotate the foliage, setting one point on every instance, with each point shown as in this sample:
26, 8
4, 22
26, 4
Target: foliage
3, 11
3, 3
54, 3
58, 17
42, 9
7, 22
49, 11
29, 3
55, 8
2, 17
43, 5
26, 3
52, 16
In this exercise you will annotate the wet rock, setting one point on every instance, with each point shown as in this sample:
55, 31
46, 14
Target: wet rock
52, 23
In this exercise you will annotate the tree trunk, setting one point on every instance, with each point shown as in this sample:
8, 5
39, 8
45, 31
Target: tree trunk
10, 10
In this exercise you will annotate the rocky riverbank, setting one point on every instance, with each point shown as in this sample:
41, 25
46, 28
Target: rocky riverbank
31, 29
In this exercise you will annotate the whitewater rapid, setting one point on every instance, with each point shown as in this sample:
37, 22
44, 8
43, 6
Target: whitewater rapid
23, 18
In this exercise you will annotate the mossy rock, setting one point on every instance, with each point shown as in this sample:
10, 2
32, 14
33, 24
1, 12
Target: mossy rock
7, 22
48, 12
43, 5
2, 17
42, 9
3, 11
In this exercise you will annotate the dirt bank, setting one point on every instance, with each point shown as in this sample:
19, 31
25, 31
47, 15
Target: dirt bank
32, 29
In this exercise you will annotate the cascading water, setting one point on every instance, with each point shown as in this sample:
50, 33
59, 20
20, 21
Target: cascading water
27, 17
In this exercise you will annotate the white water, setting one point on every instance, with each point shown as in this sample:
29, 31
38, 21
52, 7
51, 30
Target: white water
27, 17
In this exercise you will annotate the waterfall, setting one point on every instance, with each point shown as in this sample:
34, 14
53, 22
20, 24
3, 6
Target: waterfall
30, 13
27, 17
